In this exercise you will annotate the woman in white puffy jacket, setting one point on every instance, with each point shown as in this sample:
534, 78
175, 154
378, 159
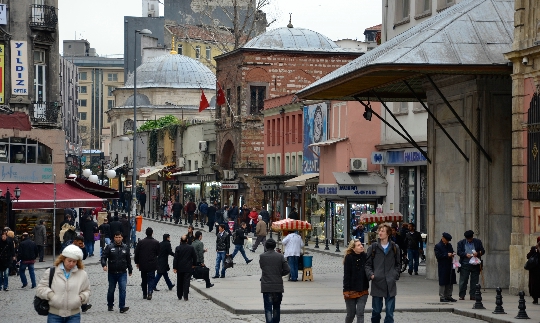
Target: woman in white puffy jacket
70, 287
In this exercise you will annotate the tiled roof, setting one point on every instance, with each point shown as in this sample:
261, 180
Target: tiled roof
377, 27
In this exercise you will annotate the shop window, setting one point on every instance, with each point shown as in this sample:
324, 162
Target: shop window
24, 151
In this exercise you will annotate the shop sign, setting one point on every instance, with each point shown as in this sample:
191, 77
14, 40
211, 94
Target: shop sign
377, 157
409, 156
19, 67
3, 15
327, 189
229, 186
351, 190
153, 191
26, 173
315, 130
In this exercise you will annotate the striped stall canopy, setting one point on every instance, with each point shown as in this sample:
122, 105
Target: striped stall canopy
290, 225
381, 217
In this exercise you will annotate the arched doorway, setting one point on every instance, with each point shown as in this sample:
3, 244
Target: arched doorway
228, 155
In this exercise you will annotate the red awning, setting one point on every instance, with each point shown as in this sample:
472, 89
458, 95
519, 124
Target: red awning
381, 217
41, 196
93, 188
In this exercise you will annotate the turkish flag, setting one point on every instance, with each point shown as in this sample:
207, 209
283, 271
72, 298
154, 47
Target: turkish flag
220, 100
204, 102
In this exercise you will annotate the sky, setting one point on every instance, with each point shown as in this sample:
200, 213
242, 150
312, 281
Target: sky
101, 21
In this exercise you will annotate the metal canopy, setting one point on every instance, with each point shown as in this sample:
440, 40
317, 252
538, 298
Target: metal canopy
467, 38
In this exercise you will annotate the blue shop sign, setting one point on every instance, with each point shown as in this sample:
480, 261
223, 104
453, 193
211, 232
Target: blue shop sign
351, 190
409, 156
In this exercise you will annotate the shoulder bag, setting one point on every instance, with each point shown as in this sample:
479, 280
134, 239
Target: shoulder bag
532, 262
42, 305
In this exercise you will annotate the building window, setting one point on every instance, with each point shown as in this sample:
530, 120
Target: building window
268, 133
443, 4
112, 77
401, 108
300, 130
82, 89
82, 103
196, 165
110, 104
238, 100
287, 130
110, 90
208, 53
40, 84
198, 52
82, 115
299, 162
24, 151
257, 96
402, 10
82, 76
179, 50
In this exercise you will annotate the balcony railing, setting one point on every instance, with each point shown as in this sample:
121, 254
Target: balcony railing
43, 17
45, 112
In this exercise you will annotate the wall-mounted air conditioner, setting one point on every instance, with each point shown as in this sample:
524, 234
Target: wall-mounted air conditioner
358, 164
203, 146
180, 162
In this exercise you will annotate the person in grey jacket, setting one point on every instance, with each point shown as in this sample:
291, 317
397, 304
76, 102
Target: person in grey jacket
40, 238
198, 245
274, 267
382, 268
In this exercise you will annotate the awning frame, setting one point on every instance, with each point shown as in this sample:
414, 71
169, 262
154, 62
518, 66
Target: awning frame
299, 180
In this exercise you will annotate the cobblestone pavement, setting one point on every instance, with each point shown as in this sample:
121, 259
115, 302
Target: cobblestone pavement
165, 306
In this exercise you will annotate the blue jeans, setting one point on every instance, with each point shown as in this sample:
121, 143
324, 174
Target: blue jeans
239, 247
376, 304
52, 318
293, 264
220, 260
121, 279
272, 306
4, 275
22, 268
89, 245
413, 256
167, 280
41, 251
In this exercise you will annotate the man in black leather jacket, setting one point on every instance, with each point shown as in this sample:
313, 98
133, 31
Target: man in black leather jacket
119, 259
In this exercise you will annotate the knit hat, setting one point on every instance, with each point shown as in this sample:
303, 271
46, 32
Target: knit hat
73, 252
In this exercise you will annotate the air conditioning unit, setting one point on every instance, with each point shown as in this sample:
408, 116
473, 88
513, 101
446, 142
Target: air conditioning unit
180, 162
358, 164
203, 146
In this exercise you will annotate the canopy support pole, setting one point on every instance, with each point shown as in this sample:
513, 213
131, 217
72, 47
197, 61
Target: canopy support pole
459, 119
437, 121
393, 115
412, 142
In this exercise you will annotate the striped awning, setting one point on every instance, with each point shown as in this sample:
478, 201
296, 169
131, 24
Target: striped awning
290, 225
381, 217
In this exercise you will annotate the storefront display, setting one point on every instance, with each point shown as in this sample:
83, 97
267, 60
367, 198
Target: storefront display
191, 192
212, 192
26, 220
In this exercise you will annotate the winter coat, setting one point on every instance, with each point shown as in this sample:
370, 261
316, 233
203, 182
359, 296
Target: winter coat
146, 254
119, 258
414, 240
28, 250
177, 208
199, 250
447, 275
66, 228
240, 236
274, 266
534, 275
116, 226
40, 234
254, 216
233, 213
211, 213
478, 247
126, 227
105, 230
385, 268
203, 208
220, 217
354, 276
261, 230
165, 250
90, 227
190, 237
65, 296
190, 207
265, 216
223, 242
184, 258
7, 252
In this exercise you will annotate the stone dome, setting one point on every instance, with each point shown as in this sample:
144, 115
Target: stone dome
296, 39
142, 101
173, 71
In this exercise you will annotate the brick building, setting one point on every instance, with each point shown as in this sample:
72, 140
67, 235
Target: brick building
276, 63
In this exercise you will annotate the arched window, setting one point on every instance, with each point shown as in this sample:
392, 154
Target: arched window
24, 151
128, 126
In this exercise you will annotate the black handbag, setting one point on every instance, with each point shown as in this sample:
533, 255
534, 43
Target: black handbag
532, 262
228, 263
199, 272
42, 305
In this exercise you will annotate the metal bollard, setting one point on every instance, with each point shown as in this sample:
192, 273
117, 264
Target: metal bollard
317, 242
337, 246
306, 244
478, 297
522, 314
498, 301
326, 248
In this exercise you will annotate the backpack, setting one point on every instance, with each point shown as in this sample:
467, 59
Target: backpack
42, 305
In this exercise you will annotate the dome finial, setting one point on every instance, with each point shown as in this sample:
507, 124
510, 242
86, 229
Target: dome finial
290, 23
173, 45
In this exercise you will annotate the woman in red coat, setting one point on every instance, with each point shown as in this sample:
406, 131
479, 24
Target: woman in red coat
254, 217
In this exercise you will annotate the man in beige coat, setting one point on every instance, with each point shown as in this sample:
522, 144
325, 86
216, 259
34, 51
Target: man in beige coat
260, 232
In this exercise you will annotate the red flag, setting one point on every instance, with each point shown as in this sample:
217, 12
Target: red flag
204, 102
220, 100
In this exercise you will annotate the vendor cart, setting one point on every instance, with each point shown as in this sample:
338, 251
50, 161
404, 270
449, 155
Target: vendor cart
286, 225
378, 218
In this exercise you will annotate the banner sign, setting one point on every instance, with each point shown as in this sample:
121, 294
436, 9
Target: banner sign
3, 15
26, 173
315, 130
19, 67
2, 66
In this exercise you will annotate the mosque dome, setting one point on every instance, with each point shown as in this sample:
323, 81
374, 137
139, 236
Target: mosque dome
295, 39
173, 71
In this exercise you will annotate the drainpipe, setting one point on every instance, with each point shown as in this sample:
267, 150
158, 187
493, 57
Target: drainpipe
385, 22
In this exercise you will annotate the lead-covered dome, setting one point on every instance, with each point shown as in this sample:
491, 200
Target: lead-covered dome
297, 39
173, 71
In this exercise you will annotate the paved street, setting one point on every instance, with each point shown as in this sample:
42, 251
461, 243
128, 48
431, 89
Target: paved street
165, 307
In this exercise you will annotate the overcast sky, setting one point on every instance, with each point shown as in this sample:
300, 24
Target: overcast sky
101, 21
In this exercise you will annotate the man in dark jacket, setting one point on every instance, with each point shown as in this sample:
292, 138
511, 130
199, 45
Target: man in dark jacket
176, 209
27, 255
274, 267
105, 232
126, 228
203, 211
447, 276
466, 249
239, 237
40, 238
142, 201
190, 210
146, 259
223, 244
382, 268
294, 215
265, 216
115, 226
183, 264
165, 250
119, 259
211, 213
7, 255
90, 227
414, 245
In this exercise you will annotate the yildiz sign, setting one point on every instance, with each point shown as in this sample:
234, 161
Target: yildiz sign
26, 173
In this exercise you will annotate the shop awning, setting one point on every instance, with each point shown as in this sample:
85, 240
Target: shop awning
100, 191
368, 178
150, 173
291, 225
328, 142
41, 196
185, 172
381, 217
300, 180
119, 166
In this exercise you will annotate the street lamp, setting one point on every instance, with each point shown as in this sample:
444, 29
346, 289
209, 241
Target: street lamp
133, 172
10, 214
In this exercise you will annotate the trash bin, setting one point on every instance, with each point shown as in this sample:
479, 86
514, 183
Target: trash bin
308, 261
138, 223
